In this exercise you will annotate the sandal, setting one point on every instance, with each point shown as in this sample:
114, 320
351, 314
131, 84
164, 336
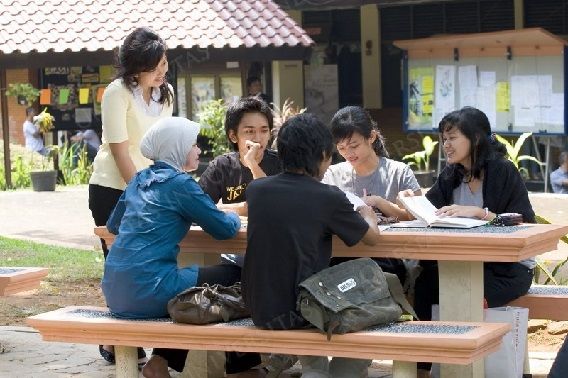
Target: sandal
109, 356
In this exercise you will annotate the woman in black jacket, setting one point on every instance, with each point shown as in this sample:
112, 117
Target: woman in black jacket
477, 182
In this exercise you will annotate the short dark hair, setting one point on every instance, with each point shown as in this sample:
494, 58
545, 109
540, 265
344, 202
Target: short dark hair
303, 142
355, 119
474, 125
30, 110
141, 51
252, 79
238, 109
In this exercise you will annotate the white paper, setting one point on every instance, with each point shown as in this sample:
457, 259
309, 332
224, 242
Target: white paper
544, 83
486, 101
356, 201
467, 79
422, 209
83, 115
525, 117
487, 78
524, 91
444, 93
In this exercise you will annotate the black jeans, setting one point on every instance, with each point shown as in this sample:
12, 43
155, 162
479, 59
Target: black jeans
560, 366
102, 201
236, 362
503, 282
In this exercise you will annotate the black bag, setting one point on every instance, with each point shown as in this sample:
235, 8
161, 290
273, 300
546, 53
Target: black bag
351, 296
208, 304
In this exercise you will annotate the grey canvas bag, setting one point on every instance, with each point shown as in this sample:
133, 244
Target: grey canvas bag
351, 296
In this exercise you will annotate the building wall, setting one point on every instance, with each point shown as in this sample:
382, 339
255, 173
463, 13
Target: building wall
16, 112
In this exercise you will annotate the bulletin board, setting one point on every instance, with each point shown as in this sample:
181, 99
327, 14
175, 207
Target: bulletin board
73, 95
517, 78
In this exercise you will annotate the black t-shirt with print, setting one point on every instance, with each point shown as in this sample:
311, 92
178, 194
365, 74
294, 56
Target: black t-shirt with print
291, 220
226, 178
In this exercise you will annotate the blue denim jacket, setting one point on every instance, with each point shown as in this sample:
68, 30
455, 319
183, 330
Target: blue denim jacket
150, 219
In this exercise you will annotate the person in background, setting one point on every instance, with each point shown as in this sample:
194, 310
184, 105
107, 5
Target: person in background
150, 219
138, 97
254, 89
32, 135
248, 126
559, 177
368, 172
477, 182
292, 217
90, 140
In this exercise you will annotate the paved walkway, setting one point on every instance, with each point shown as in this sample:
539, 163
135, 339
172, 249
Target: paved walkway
63, 218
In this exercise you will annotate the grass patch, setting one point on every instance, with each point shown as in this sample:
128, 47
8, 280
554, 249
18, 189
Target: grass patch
65, 264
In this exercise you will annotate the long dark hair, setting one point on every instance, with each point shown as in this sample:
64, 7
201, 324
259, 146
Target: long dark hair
474, 125
355, 119
142, 51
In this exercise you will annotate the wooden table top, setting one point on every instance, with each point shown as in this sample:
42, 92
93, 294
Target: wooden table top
486, 243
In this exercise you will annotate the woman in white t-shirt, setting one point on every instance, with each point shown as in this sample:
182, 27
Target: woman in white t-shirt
369, 173
138, 97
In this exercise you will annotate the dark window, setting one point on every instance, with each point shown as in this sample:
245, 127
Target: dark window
462, 18
496, 15
548, 14
396, 23
427, 19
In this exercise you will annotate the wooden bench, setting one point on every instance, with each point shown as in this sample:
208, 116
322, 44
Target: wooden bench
545, 302
405, 343
18, 279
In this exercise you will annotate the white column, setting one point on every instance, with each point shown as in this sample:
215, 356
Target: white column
288, 82
461, 299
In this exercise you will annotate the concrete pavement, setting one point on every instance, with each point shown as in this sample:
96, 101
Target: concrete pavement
63, 218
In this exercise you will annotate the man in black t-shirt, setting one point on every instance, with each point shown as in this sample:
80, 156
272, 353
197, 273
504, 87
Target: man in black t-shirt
291, 220
248, 125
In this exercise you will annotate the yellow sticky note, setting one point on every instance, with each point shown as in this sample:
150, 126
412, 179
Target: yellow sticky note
503, 97
45, 97
83, 95
428, 84
63, 96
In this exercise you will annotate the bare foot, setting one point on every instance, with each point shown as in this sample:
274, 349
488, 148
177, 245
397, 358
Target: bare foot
156, 367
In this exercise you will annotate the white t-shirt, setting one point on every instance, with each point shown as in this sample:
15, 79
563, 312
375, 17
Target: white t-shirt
34, 143
387, 180
90, 137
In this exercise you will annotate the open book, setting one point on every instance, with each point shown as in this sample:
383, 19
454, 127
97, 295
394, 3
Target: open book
425, 214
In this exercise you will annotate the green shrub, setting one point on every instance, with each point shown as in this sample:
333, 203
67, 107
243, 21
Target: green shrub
212, 119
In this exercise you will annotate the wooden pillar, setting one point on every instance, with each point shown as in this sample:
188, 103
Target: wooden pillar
371, 56
5, 128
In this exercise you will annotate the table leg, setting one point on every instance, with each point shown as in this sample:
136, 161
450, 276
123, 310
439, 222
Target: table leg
461, 299
126, 361
404, 369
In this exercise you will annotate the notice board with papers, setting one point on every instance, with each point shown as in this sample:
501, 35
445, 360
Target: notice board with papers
518, 78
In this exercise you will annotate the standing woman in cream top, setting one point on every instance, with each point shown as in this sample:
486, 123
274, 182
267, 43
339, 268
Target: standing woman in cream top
138, 97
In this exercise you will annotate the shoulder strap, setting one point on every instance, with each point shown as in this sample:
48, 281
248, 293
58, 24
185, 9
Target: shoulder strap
397, 293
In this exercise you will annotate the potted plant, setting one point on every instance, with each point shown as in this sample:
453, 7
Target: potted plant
421, 159
46, 178
25, 93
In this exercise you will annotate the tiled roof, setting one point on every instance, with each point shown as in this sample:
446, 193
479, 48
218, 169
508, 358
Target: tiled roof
91, 25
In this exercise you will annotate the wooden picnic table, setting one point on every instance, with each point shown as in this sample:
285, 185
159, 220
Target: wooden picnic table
461, 254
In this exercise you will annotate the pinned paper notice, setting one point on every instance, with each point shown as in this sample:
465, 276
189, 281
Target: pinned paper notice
45, 97
63, 96
83, 95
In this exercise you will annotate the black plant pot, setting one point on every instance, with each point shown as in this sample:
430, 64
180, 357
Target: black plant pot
425, 178
43, 181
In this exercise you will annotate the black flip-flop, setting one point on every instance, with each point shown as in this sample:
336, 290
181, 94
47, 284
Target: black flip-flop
109, 356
